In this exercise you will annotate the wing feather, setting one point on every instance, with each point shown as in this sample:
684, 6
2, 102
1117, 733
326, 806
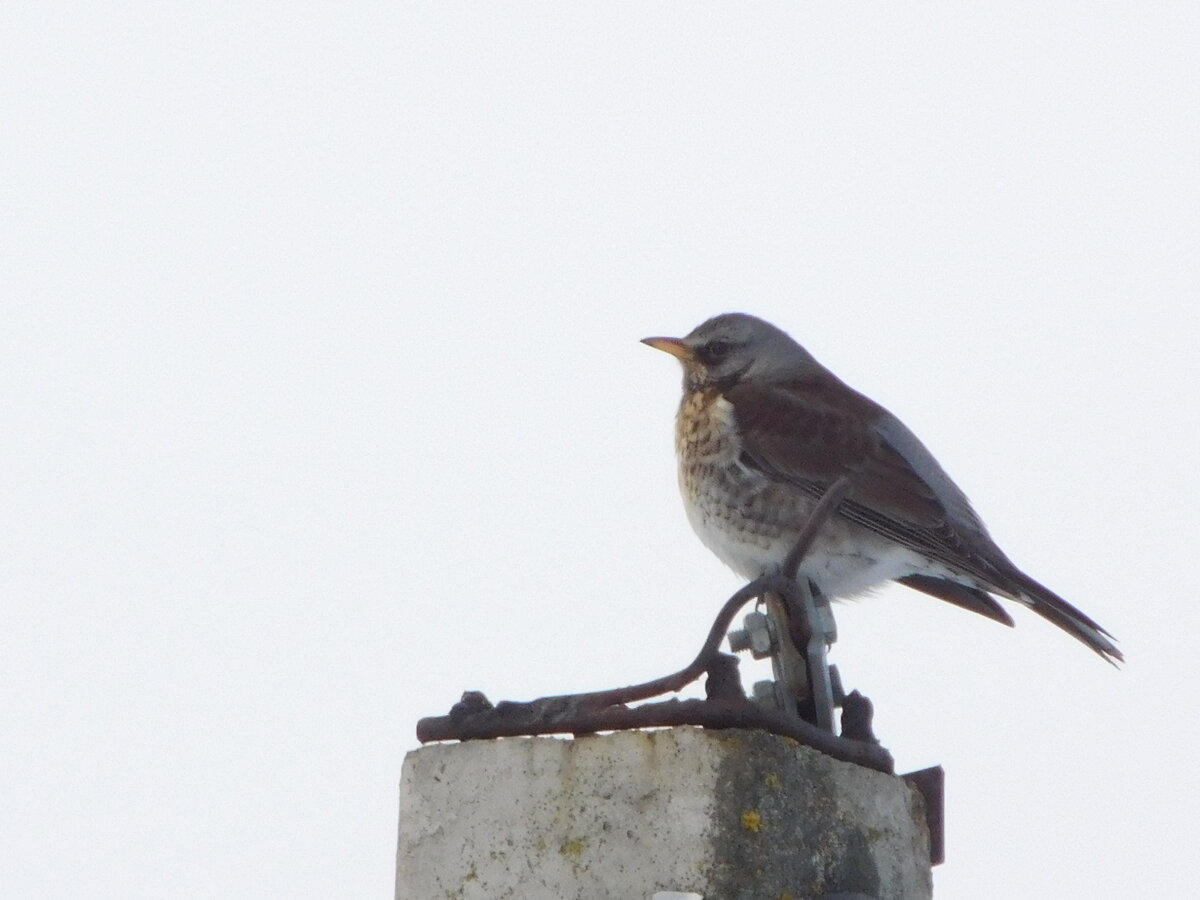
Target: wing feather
811, 432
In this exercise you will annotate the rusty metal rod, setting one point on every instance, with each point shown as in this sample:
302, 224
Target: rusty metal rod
517, 719
821, 513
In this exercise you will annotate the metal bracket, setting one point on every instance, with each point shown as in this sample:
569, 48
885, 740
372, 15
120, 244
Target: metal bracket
796, 636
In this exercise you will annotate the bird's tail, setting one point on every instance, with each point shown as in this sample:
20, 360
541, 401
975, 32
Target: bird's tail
1054, 608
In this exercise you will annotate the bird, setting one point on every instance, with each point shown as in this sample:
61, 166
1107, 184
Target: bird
763, 430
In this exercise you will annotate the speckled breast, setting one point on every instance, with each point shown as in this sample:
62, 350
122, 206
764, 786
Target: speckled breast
747, 520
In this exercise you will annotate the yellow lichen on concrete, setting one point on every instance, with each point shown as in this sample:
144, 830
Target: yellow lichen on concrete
572, 848
752, 821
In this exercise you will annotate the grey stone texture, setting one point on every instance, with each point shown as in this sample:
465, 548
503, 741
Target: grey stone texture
724, 814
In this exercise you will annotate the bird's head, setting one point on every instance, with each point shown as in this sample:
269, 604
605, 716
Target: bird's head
733, 346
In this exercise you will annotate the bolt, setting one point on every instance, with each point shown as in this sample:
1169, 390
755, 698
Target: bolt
757, 635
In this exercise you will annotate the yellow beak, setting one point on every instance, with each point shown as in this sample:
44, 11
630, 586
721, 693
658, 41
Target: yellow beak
674, 346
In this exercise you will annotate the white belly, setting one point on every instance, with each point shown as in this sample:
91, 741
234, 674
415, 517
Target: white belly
845, 560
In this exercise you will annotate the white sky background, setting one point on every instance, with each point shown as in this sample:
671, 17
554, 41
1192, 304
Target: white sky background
323, 401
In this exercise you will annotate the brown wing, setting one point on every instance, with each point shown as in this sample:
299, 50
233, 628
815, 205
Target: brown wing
811, 433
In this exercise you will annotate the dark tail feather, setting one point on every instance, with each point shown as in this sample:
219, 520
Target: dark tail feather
970, 598
1054, 608
1019, 586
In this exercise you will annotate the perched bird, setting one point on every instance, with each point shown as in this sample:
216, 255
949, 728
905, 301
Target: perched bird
764, 429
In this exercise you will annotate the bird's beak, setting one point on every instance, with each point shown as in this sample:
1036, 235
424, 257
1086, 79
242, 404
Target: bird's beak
674, 346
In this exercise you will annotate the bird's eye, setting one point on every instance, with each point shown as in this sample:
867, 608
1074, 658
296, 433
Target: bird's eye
715, 351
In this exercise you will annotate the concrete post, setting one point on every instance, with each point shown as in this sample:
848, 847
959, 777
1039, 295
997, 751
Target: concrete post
723, 815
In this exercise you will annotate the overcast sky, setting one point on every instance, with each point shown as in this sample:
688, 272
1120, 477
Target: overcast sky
323, 401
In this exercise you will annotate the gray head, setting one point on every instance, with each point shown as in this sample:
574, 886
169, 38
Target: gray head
733, 346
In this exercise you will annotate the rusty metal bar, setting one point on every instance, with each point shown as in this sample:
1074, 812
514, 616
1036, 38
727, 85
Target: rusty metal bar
513, 719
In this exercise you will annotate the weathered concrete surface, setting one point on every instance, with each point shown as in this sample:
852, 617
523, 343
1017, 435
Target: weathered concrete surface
728, 815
